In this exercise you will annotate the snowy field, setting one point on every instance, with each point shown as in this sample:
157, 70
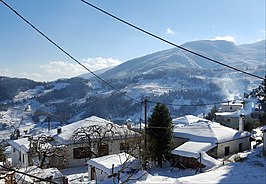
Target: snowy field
251, 170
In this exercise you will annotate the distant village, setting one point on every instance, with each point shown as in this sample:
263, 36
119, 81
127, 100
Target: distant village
115, 153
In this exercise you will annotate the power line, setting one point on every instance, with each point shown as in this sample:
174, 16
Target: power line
24, 173
189, 105
166, 41
65, 52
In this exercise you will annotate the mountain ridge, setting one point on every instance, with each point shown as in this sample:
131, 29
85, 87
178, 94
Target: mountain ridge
180, 58
170, 76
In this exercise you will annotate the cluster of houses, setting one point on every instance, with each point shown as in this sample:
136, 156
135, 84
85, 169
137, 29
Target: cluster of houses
232, 112
111, 150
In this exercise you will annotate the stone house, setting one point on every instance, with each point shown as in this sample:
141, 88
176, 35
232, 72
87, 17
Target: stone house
74, 144
195, 136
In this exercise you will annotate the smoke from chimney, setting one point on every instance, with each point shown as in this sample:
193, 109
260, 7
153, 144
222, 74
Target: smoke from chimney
241, 122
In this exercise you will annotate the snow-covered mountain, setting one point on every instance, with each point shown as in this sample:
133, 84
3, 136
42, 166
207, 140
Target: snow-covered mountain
171, 76
97, 72
243, 56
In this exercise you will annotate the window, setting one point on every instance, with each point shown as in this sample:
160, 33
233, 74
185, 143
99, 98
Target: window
231, 108
226, 150
103, 149
19, 156
240, 146
14, 150
228, 120
93, 173
124, 146
82, 152
23, 158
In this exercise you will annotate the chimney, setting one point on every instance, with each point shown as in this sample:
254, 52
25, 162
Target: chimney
17, 133
129, 125
59, 130
241, 122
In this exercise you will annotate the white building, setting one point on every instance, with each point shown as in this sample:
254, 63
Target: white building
230, 114
76, 146
231, 106
115, 165
193, 135
229, 119
19, 152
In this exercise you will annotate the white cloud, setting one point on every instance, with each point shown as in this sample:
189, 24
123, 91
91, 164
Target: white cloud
34, 76
5, 72
226, 38
70, 69
169, 31
100, 63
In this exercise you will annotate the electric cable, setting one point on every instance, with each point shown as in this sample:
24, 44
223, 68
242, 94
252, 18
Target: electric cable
189, 105
30, 175
171, 43
65, 52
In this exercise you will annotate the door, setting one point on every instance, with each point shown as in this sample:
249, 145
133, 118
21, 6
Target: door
93, 173
226, 150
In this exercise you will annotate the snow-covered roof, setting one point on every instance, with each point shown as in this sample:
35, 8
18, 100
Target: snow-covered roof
233, 103
54, 173
20, 144
234, 114
106, 163
195, 150
138, 126
192, 148
67, 131
202, 130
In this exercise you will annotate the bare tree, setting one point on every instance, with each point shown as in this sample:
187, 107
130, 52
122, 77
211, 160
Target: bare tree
95, 140
128, 170
44, 152
97, 135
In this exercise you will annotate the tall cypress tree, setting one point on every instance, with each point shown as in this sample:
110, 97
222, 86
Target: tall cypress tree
159, 133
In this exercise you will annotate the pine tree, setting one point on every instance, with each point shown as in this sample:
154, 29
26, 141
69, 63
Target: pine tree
260, 94
159, 134
211, 114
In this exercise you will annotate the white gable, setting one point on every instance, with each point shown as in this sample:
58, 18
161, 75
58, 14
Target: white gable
116, 161
20, 144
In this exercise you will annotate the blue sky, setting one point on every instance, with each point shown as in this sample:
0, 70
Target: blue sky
99, 41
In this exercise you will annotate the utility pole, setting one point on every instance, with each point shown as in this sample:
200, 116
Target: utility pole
145, 132
49, 123
145, 121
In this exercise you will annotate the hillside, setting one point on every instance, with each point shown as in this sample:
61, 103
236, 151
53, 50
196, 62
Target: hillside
171, 76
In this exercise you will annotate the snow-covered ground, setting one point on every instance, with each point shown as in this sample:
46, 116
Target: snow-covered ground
251, 170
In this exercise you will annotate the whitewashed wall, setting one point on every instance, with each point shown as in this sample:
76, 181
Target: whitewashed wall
114, 147
99, 174
234, 146
230, 107
16, 155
